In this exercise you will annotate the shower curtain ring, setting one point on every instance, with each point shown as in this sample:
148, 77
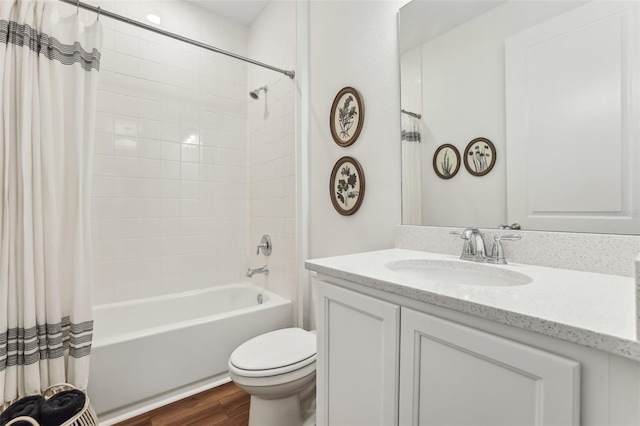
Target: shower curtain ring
78, 7
98, 14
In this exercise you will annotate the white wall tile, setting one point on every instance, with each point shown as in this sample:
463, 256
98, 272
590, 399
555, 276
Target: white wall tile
125, 167
125, 126
166, 203
169, 169
102, 165
149, 168
125, 64
170, 188
170, 208
125, 187
125, 146
103, 143
270, 181
149, 129
190, 171
148, 148
125, 105
104, 101
190, 153
149, 109
102, 186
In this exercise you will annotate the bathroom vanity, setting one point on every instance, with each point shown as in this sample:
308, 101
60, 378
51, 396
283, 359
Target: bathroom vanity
412, 337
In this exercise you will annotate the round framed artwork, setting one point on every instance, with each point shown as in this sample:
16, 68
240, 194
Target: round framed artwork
347, 116
346, 186
446, 161
479, 156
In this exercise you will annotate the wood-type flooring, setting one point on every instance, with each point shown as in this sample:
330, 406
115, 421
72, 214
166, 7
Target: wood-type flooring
226, 405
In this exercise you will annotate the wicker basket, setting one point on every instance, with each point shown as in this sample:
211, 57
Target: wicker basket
85, 417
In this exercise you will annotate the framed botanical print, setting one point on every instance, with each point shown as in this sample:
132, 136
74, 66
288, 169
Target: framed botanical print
346, 186
347, 116
446, 161
479, 156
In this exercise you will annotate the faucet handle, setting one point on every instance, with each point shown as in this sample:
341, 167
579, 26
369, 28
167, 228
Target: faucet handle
265, 245
467, 233
497, 252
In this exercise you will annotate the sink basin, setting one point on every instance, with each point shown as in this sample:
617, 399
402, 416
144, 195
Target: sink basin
457, 272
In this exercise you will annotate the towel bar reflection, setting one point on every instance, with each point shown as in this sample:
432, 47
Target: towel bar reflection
413, 114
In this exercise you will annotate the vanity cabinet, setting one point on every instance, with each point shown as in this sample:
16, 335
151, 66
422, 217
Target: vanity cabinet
357, 364
383, 364
451, 374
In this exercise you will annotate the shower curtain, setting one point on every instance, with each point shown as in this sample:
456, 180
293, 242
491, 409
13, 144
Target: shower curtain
48, 87
411, 171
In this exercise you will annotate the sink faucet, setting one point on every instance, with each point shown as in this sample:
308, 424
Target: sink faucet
473, 248
263, 270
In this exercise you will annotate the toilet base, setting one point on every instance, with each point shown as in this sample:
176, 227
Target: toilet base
275, 412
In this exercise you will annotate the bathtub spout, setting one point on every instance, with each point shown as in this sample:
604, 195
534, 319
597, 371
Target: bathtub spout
263, 270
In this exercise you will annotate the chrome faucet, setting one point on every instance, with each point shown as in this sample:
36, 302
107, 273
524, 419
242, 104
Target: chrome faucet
473, 247
263, 270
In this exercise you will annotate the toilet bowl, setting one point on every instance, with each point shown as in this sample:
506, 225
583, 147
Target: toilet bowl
275, 368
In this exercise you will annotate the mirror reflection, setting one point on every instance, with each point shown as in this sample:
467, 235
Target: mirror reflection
551, 86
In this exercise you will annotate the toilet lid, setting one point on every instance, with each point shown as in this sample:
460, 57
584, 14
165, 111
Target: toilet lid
275, 349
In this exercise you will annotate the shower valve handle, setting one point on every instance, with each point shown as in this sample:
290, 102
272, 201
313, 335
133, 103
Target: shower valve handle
265, 245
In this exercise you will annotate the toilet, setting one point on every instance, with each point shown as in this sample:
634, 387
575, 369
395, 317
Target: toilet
276, 369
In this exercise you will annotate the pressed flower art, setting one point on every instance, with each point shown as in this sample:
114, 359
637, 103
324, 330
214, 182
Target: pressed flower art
446, 161
480, 156
346, 185
347, 116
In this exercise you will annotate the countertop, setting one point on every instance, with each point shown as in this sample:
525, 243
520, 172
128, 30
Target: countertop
589, 309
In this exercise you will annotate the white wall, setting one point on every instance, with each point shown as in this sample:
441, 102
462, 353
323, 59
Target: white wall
355, 43
272, 186
170, 179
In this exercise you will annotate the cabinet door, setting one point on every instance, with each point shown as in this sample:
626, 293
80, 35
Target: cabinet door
357, 364
455, 375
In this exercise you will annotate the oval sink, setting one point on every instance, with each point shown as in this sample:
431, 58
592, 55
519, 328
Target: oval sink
457, 272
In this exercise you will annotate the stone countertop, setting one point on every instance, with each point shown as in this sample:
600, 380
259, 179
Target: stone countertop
590, 309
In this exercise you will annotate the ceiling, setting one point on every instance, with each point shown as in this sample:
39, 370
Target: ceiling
423, 20
243, 12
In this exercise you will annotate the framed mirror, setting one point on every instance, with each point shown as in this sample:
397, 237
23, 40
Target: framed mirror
554, 86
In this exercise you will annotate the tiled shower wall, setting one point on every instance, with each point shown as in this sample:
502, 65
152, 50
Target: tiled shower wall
170, 168
272, 189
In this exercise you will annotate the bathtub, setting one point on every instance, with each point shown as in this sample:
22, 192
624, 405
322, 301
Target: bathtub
153, 351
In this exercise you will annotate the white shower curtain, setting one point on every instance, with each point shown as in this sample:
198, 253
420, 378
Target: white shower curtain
411, 171
48, 87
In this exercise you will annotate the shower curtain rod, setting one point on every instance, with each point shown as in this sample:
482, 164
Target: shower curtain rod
100, 12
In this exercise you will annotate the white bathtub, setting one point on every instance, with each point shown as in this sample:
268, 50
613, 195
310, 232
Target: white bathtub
147, 351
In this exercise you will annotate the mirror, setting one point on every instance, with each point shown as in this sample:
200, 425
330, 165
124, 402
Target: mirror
553, 85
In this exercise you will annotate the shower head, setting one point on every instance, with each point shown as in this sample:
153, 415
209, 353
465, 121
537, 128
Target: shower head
256, 93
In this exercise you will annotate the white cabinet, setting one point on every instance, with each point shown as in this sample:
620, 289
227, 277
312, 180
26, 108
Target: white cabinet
380, 364
357, 364
451, 374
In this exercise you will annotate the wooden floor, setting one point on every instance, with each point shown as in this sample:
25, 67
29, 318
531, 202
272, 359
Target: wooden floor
226, 405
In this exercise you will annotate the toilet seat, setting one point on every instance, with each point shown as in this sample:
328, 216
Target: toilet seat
275, 353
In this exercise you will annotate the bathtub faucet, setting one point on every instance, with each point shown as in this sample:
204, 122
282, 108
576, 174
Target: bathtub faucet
263, 270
